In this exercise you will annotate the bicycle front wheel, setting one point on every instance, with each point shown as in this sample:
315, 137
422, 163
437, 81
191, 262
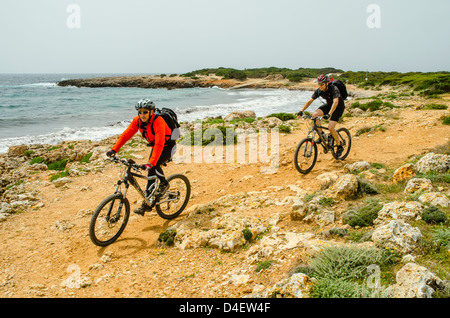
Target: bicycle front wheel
174, 201
305, 155
109, 220
346, 141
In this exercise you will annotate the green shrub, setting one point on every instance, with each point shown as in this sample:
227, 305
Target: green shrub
247, 234
435, 106
431, 83
366, 188
37, 160
60, 175
58, 165
446, 120
230, 73
86, 158
208, 136
167, 237
338, 288
212, 121
263, 265
326, 201
284, 129
433, 215
364, 216
305, 269
442, 236
374, 105
247, 120
283, 116
341, 272
296, 77
344, 262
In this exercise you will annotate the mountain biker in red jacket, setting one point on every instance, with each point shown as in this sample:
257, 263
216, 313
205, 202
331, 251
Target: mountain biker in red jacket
161, 142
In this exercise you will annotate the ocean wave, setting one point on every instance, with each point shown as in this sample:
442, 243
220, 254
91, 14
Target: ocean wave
263, 103
86, 133
30, 85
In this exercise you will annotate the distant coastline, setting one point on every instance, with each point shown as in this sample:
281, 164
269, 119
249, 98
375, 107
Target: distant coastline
176, 82
429, 85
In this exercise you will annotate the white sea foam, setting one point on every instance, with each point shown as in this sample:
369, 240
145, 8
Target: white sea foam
91, 133
262, 103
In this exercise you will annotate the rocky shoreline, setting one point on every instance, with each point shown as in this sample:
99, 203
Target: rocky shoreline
244, 233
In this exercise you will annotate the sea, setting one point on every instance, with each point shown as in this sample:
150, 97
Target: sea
35, 110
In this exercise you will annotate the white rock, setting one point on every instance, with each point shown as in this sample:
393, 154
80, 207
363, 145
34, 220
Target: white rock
396, 235
435, 198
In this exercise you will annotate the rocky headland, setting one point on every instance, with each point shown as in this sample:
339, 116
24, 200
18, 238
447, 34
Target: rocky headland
246, 232
178, 81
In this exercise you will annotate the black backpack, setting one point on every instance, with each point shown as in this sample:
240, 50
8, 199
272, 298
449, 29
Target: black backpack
171, 120
341, 86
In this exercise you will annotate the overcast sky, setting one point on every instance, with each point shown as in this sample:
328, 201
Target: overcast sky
177, 36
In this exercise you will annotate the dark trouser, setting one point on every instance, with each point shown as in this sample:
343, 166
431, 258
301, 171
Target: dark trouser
166, 155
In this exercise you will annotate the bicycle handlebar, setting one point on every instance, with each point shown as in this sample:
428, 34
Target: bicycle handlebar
127, 162
310, 117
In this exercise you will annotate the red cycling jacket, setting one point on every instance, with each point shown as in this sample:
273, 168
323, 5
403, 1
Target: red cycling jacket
159, 139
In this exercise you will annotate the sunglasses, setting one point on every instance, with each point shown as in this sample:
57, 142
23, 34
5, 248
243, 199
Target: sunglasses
145, 112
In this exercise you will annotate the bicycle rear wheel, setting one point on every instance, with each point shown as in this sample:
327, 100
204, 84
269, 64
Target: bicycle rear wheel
174, 201
346, 141
109, 220
305, 156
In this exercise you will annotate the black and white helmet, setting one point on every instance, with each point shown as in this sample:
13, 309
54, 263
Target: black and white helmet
145, 104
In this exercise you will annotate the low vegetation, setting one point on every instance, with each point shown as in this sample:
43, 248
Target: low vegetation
296, 75
426, 84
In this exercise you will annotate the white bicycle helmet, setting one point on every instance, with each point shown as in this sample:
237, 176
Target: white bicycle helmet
145, 104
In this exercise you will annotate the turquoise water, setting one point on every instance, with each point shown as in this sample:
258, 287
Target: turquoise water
33, 109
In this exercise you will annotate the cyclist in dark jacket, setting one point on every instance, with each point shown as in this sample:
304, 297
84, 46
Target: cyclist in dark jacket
333, 109
163, 146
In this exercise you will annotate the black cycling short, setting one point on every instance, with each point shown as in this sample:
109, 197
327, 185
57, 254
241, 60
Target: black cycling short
338, 112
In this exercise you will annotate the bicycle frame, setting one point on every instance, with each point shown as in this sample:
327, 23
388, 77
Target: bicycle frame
129, 179
312, 133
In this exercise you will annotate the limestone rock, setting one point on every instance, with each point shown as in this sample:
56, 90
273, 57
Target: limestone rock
396, 235
277, 242
414, 281
357, 166
61, 182
405, 172
223, 232
435, 198
326, 179
345, 187
432, 162
399, 210
296, 286
418, 185
240, 114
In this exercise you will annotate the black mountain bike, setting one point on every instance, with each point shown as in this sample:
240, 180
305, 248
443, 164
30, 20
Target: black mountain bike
111, 216
306, 153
